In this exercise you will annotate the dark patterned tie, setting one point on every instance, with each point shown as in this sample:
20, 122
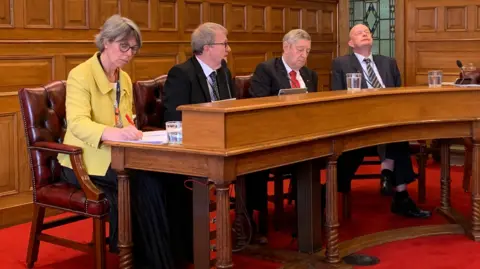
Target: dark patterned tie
372, 77
214, 85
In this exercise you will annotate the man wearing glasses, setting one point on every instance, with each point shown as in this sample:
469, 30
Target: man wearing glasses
202, 78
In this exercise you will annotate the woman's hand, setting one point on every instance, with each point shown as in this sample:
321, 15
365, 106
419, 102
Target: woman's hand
125, 133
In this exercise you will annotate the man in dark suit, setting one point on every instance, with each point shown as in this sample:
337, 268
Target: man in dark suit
202, 78
287, 71
377, 72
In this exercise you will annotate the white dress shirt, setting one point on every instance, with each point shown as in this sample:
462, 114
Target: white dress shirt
207, 70
365, 71
299, 77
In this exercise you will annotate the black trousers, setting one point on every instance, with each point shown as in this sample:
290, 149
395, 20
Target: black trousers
348, 163
257, 199
150, 228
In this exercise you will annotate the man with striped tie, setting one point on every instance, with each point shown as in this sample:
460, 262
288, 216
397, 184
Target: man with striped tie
377, 72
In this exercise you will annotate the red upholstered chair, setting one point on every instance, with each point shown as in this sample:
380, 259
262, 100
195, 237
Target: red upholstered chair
147, 97
43, 111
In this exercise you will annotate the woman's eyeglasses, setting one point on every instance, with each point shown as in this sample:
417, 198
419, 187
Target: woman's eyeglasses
124, 47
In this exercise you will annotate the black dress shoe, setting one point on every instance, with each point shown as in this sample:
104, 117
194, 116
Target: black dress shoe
386, 182
361, 260
407, 207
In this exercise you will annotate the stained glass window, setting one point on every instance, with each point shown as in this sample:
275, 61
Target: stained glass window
379, 16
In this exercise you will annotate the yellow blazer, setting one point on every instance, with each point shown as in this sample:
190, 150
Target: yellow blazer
89, 106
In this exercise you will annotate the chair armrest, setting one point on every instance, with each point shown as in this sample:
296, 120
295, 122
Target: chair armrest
91, 191
56, 148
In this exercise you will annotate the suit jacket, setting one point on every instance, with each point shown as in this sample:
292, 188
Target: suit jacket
386, 66
89, 107
271, 76
187, 84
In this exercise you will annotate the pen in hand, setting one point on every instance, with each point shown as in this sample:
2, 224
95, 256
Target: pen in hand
129, 120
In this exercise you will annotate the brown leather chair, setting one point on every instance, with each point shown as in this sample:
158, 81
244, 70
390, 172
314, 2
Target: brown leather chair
43, 111
242, 84
147, 97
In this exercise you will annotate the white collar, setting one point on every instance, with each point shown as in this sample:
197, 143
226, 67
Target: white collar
288, 67
206, 69
361, 57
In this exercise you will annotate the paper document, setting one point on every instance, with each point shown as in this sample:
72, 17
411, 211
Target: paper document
152, 137
468, 85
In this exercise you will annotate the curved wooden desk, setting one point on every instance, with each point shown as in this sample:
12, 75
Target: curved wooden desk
226, 139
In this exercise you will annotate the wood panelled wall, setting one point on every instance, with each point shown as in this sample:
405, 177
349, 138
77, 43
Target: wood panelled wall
436, 34
42, 40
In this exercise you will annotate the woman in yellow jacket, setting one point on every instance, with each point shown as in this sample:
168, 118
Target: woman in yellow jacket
98, 100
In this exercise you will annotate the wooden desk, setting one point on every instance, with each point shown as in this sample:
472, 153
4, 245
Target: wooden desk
224, 140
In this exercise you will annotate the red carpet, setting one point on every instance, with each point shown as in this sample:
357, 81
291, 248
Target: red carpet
370, 213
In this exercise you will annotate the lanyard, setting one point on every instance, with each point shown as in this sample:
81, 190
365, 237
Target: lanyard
116, 106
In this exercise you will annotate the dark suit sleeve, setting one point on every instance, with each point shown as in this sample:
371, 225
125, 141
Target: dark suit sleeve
261, 82
397, 78
338, 81
177, 92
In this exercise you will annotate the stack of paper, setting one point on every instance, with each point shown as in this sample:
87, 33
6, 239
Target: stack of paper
152, 137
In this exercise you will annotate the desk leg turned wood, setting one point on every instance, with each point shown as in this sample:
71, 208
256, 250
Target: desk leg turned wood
224, 236
445, 203
332, 252
124, 222
475, 190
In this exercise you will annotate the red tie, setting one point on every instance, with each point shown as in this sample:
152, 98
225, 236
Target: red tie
293, 79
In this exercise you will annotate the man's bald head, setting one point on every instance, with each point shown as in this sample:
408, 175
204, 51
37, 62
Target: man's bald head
360, 37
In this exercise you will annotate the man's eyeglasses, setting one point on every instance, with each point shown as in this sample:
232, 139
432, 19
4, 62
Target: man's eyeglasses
124, 47
225, 44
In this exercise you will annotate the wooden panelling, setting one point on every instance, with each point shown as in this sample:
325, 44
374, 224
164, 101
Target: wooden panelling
8, 136
42, 40
6, 13
239, 18
437, 33
167, 16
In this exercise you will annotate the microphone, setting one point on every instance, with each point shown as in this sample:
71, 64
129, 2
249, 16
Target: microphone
460, 65
460, 81
224, 67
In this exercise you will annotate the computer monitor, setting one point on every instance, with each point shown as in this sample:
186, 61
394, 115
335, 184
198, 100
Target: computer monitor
292, 91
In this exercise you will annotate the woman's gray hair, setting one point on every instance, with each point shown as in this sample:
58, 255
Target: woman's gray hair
296, 34
205, 35
117, 28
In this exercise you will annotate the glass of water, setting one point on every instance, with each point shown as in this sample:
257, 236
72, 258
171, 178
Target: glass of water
174, 132
354, 81
435, 78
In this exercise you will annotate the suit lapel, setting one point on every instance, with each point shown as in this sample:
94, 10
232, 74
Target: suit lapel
222, 84
382, 70
307, 79
202, 79
357, 68
283, 80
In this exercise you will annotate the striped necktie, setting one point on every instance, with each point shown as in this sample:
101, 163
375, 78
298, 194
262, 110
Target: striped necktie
372, 77
214, 85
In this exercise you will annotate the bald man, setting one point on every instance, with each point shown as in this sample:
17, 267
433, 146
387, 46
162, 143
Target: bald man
377, 72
